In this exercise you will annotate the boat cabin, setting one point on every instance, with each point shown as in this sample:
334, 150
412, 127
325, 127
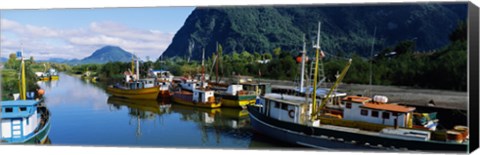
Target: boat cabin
164, 85
359, 108
191, 85
19, 119
259, 88
139, 84
233, 89
203, 96
284, 107
53, 72
162, 75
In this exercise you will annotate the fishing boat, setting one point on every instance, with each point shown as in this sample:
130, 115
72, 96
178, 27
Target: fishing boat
25, 120
138, 89
134, 87
236, 97
198, 98
360, 122
53, 74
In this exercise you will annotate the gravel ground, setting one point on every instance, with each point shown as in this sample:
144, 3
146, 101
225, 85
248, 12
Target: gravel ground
404, 95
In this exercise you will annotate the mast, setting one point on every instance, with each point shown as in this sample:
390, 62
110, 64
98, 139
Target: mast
371, 60
314, 93
203, 65
133, 65
303, 65
23, 91
138, 74
216, 65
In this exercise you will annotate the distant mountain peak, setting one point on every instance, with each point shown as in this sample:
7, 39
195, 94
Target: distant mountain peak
108, 53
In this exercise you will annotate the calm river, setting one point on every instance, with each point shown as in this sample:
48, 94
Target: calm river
83, 114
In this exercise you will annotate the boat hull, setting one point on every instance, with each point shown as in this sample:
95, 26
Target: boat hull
145, 93
165, 94
43, 78
39, 137
237, 101
54, 77
186, 99
324, 138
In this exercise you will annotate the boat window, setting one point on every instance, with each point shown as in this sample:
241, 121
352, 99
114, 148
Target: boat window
374, 113
277, 105
23, 108
8, 109
285, 107
386, 115
348, 105
364, 112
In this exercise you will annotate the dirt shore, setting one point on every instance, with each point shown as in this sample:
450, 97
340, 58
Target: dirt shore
399, 94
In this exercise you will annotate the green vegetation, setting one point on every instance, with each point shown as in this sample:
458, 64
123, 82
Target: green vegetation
11, 74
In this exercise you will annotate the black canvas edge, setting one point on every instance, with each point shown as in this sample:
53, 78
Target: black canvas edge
473, 71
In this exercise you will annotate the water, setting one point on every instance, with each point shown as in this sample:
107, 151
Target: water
84, 114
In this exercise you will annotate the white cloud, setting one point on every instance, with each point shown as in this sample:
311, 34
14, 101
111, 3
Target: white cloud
44, 42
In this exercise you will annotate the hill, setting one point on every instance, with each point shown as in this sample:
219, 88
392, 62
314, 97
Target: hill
346, 29
108, 54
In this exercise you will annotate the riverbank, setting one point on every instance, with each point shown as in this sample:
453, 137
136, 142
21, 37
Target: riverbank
396, 94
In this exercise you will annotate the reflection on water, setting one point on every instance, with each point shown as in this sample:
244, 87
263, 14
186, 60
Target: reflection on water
83, 114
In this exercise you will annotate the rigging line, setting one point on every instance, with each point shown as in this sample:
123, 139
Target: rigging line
334, 56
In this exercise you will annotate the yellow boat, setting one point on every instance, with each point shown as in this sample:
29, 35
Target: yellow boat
44, 78
54, 77
197, 98
236, 103
236, 97
150, 93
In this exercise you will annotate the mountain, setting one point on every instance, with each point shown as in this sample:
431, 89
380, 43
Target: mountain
345, 29
106, 54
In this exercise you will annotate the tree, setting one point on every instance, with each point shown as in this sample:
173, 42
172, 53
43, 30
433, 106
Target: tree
31, 60
460, 33
403, 47
267, 56
277, 52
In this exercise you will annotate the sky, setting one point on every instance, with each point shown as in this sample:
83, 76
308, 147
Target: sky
77, 33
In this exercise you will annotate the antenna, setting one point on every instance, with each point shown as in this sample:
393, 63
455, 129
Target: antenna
303, 65
371, 60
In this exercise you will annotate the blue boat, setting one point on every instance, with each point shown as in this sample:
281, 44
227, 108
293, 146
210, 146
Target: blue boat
24, 122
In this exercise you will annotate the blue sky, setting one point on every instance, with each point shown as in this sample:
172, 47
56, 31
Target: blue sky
76, 33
